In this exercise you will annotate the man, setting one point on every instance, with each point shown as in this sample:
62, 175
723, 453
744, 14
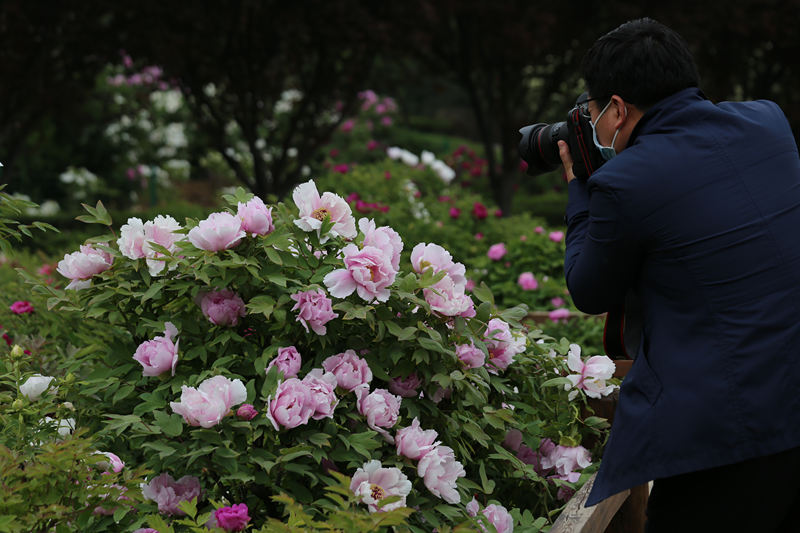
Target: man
697, 211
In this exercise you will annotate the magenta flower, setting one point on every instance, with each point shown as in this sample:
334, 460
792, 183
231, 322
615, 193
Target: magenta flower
223, 307
246, 412
497, 251
538, 229
347, 125
322, 388
479, 211
256, 217
527, 282
372, 144
556, 236
314, 209
406, 387
82, 265
470, 355
350, 370
207, 405
414, 442
287, 361
233, 518
368, 271
439, 471
341, 168
591, 375
557, 302
314, 309
160, 354
455, 212
219, 231
21, 307
168, 493
372, 483
291, 406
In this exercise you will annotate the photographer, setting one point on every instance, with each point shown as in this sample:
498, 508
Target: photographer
696, 211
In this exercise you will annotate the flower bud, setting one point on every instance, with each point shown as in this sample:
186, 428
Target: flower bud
17, 351
17, 404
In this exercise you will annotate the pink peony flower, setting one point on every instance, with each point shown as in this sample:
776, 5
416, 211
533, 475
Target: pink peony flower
479, 211
527, 282
439, 471
223, 307
21, 307
372, 483
499, 517
132, 240
502, 345
566, 460
591, 375
322, 388
513, 439
469, 285
497, 251
559, 315
557, 302
219, 231
114, 462
207, 405
372, 144
414, 442
246, 412
368, 271
448, 298
314, 209
168, 493
34, 386
425, 256
479, 236
406, 387
455, 212
384, 238
256, 217
82, 265
350, 370
233, 518
160, 354
314, 310
288, 361
539, 229
146, 530
470, 355
472, 507
292, 404
380, 407
556, 236
136, 240
386, 121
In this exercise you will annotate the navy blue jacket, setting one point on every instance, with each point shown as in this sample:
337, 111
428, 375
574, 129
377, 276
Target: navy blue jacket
700, 216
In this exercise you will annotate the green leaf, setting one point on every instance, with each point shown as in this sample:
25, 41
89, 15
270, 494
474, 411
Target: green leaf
171, 425
274, 256
154, 289
488, 484
556, 382
483, 293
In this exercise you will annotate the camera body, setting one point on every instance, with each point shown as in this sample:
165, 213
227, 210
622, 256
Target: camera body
539, 145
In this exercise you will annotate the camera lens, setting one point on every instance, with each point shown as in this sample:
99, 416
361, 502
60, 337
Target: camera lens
539, 146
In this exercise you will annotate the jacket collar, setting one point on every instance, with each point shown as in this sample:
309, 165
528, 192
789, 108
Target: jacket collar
664, 108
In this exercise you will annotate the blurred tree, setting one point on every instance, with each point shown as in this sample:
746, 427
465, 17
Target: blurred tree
267, 81
50, 55
517, 61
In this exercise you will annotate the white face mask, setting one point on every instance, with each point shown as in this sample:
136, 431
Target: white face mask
606, 152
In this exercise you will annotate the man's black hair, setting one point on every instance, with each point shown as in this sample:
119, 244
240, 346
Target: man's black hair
642, 61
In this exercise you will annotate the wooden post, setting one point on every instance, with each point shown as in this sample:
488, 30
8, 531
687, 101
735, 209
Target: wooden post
575, 518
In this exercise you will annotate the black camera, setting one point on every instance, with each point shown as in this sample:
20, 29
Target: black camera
539, 144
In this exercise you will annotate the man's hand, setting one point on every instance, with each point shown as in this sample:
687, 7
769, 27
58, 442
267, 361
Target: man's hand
566, 159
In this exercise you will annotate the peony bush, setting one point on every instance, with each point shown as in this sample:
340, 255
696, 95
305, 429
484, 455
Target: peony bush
256, 356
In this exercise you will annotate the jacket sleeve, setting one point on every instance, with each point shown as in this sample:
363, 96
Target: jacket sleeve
602, 256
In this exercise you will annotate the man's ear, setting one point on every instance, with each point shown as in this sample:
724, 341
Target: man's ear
619, 111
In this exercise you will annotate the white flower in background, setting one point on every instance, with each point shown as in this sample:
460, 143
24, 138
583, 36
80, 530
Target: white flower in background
64, 427
428, 159
34, 386
210, 90
289, 97
418, 209
169, 101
